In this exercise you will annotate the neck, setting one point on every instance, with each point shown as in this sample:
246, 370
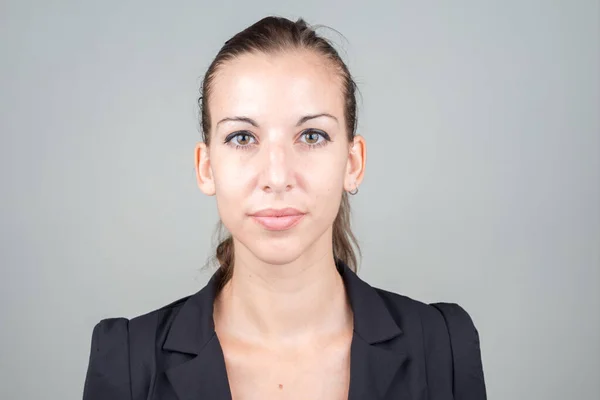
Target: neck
298, 301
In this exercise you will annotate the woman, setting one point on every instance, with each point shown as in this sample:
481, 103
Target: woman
285, 316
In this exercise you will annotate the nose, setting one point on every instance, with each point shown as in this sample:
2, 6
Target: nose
278, 169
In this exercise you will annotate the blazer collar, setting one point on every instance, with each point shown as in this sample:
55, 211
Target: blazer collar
203, 374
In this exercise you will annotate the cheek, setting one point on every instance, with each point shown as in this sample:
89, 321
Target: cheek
326, 188
231, 178
231, 192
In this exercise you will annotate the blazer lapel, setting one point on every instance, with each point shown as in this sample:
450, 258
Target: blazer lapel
378, 349
198, 371
202, 377
372, 369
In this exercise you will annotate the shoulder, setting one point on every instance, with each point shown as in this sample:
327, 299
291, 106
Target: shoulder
155, 321
421, 323
438, 323
114, 331
108, 367
446, 338
405, 310
115, 342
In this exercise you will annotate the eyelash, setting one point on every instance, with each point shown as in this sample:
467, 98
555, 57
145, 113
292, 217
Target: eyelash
229, 139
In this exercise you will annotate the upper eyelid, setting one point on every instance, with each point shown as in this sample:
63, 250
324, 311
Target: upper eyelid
231, 135
321, 132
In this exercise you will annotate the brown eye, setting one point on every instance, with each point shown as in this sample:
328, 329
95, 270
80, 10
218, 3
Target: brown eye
312, 137
240, 139
243, 139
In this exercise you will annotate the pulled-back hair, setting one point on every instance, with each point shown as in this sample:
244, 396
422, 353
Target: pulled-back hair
272, 35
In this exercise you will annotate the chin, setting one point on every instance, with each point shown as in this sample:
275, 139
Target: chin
276, 251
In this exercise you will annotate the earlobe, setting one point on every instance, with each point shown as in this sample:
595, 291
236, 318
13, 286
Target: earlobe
204, 175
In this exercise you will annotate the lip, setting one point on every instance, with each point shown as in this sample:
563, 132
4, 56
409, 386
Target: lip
278, 219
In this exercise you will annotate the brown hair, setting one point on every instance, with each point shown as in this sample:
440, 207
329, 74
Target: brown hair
272, 35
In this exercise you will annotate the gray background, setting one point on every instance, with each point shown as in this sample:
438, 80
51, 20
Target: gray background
482, 183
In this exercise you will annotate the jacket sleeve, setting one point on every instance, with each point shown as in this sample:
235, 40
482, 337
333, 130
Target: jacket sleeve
468, 378
108, 368
438, 355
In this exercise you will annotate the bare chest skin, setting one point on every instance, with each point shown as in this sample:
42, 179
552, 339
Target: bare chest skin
317, 371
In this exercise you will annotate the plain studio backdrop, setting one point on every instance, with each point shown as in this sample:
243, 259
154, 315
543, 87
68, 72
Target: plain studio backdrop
482, 181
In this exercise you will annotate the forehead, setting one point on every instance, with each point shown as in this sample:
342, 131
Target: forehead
283, 85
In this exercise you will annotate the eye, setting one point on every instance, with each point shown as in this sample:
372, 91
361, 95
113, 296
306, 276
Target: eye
313, 137
240, 139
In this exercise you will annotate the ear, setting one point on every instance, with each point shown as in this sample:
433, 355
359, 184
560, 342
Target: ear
357, 160
204, 174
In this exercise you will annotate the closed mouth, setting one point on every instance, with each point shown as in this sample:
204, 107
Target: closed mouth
278, 220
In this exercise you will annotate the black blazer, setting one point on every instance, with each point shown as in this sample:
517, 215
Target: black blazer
401, 349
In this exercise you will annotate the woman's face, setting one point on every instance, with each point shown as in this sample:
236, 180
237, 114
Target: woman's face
278, 141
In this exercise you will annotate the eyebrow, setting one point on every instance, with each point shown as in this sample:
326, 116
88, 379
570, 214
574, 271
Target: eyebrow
313, 116
301, 121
